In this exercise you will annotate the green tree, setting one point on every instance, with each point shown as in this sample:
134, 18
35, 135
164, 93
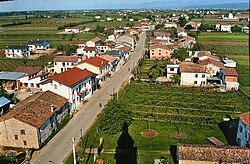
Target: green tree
114, 117
193, 34
182, 21
155, 70
159, 26
181, 54
2, 91
175, 78
236, 29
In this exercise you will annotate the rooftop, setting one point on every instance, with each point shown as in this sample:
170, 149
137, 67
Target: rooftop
230, 72
192, 68
158, 33
16, 48
96, 39
245, 118
114, 53
229, 154
160, 47
66, 58
37, 42
211, 61
11, 75
109, 58
28, 70
71, 76
36, 109
4, 101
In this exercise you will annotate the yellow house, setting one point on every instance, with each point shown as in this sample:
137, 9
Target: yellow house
160, 52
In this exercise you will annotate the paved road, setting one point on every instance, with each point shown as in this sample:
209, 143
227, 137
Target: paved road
60, 146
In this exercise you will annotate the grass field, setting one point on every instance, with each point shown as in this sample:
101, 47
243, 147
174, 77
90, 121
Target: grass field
234, 46
194, 111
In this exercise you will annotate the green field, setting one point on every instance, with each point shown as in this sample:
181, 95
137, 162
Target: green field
193, 111
234, 46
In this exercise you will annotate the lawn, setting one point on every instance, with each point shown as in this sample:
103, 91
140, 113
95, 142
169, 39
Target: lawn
195, 112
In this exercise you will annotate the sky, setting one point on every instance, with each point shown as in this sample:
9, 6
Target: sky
26, 5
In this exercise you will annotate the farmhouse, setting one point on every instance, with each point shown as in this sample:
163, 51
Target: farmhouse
223, 27
113, 62
9, 80
33, 120
17, 52
38, 45
72, 30
172, 70
170, 25
98, 66
207, 154
127, 39
193, 74
162, 36
63, 63
229, 77
185, 42
87, 51
75, 84
79, 44
181, 32
159, 52
212, 66
229, 63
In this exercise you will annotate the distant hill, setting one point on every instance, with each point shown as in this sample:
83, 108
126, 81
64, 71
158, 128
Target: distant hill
222, 6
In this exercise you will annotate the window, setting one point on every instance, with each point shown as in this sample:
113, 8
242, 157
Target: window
152, 53
241, 129
55, 86
24, 142
16, 137
159, 53
196, 75
171, 69
55, 63
195, 82
22, 132
89, 81
61, 70
203, 76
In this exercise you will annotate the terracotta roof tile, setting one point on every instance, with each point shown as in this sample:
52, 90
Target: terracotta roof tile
89, 49
161, 34
109, 58
96, 61
245, 118
65, 58
231, 154
36, 109
96, 39
230, 72
160, 47
71, 76
212, 62
192, 68
27, 69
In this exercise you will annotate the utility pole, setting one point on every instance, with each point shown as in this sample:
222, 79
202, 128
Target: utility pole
74, 151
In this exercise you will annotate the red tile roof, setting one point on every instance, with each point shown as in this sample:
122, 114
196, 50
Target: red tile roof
179, 30
245, 118
89, 49
192, 68
212, 62
159, 46
96, 61
109, 58
96, 39
226, 154
193, 24
205, 53
28, 70
65, 58
161, 34
71, 76
230, 72
36, 109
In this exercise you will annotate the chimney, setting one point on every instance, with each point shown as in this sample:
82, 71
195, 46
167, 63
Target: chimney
52, 108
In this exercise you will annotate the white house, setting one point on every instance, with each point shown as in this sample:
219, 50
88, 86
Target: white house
87, 51
223, 27
97, 65
181, 32
229, 63
71, 30
75, 84
193, 74
162, 36
119, 19
103, 48
90, 43
127, 39
119, 30
17, 52
98, 17
170, 25
38, 45
109, 19
63, 63
131, 20
172, 70
111, 38
32, 78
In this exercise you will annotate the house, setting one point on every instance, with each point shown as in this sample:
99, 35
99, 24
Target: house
96, 40
133, 31
172, 70
98, 17
243, 130
123, 49
223, 27
170, 25
63, 63
131, 20
191, 25
90, 43
9, 80
245, 29
158, 41
4, 105
185, 42
117, 54
229, 77
127, 39
17, 52
201, 55
98, 66
102, 48
109, 19
71, 30
181, 32
212, 66
119, 30
38, 45
193, 74
112, 38
119, 19
229, 63
87, 51
208, 154
142, 27
75, 84
160, 52
162, 36
113, 62
79, 44
32, 78
33, 120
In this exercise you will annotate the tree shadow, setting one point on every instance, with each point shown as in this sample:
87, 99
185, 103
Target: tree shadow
125, 151
173, 152
229, 129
